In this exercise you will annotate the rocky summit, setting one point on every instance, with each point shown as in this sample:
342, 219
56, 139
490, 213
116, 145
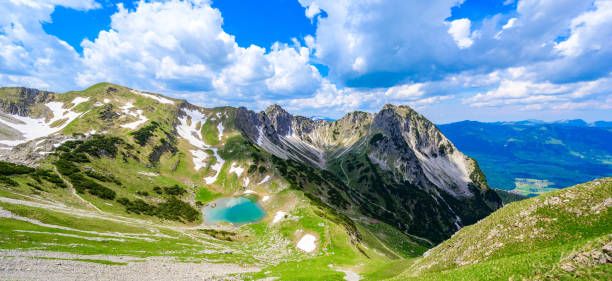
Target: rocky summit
116, 176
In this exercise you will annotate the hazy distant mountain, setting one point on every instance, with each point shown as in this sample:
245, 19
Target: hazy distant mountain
568, 123
536, 153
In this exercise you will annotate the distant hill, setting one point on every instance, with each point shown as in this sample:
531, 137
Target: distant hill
567, 123
534, 156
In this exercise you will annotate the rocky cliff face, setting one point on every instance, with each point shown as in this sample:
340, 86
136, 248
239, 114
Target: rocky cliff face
18, 101
395, 165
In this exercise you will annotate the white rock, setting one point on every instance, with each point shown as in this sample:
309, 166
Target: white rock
307, 243
278, 217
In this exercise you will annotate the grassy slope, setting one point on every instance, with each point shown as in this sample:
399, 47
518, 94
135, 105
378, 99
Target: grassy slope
529, 239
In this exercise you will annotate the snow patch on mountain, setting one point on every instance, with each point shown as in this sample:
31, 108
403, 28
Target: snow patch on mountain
157, 98
236, 169
216, 167
199, 159
128, 110
307, 243
189, 128
266, 179
220, 129
278, 216
33, 128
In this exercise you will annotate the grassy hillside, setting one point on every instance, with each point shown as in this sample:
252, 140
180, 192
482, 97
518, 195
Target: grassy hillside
565, 234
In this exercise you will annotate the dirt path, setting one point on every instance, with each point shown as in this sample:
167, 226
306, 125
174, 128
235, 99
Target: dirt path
71, 187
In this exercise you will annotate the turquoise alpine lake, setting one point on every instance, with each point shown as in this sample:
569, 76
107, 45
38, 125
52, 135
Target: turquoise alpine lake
235, 210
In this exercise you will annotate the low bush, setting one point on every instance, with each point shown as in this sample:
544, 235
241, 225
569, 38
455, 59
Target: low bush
173, 209
8, 181
142, 135
82, 183
174, 190
8, 169
48, 175
142, 193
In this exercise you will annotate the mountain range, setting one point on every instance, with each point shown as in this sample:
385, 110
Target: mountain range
121, 172
531, 157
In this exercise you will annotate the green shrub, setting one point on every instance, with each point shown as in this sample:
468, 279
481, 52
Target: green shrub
262, 169
81, 183
100, 145
252, 169
142, 135
376, 138
102, 178
48, 175
142, 193
8, 181
174, 190
8, 169
173, 209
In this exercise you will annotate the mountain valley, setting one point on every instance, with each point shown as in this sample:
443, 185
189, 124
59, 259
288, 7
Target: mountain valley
114, 179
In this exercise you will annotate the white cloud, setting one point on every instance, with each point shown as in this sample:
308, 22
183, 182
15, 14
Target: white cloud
170, 43
29, 56
539, 95
460, 30
362, 37
588, 30
376, 51
312, 10
509, 24
292, 72
405, 92
180, 46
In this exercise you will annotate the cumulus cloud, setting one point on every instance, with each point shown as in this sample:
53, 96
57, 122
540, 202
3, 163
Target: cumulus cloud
460, 30
180, 46
29, 56
540, 95
170, 43
542, 56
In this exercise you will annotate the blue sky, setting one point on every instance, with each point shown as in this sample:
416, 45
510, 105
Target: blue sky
449, 59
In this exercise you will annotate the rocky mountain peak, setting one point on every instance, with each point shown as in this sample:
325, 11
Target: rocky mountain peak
402, 110
280, 118
18, 100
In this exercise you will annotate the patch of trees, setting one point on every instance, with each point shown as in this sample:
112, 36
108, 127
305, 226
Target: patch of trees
142, 135
220, 234
48, 175
7, 169
102, 177
174, 190
39, 174
76, 151
376, 138
97, 146
173, 209
160, 149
